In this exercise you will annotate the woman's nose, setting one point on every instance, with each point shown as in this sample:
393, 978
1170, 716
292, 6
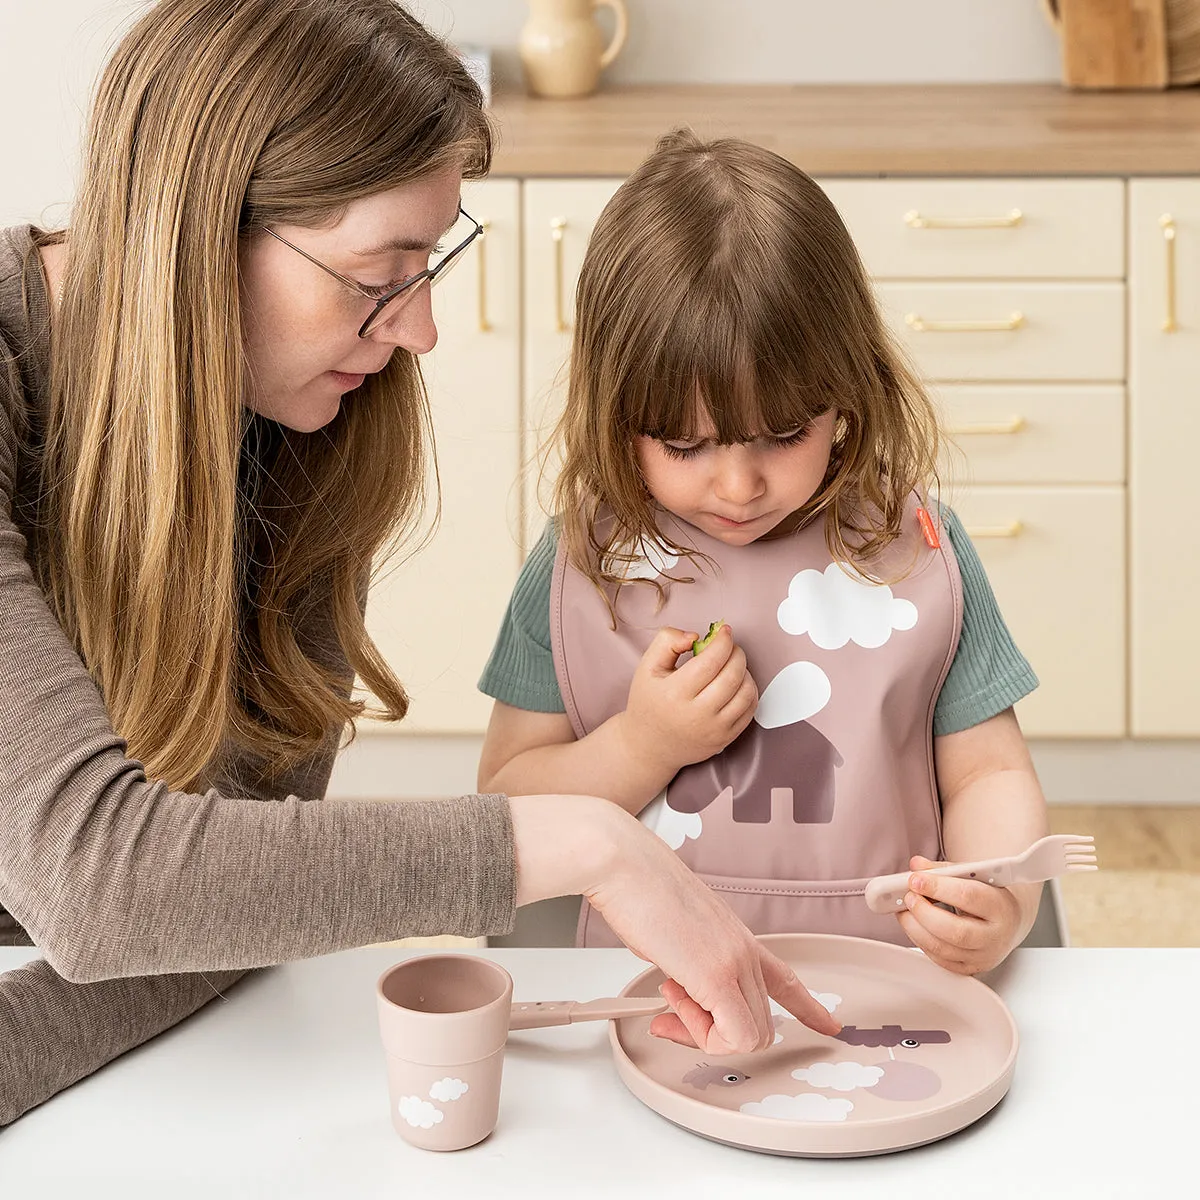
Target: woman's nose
739, 480
412, 326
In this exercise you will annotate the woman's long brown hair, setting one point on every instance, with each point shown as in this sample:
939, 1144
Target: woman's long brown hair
187, 543
720, 275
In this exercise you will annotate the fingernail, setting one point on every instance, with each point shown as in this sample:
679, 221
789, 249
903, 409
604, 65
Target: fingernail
915, 883
910, 900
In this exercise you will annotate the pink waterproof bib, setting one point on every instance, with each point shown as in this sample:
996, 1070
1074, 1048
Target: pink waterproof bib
832, 783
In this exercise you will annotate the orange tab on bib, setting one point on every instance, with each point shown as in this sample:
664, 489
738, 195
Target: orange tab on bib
928, 529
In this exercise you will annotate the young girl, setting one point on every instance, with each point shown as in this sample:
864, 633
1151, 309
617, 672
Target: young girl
742, 442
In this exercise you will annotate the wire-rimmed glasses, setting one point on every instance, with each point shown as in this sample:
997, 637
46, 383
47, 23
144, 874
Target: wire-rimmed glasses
395, 298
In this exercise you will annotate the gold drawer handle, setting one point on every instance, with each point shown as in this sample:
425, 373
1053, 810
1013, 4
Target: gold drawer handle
1012, 425
1167, 224
918, 324
914, 220
557, 225
485, 326
1011, 530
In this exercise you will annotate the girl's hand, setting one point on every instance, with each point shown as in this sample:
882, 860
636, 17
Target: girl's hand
685, 714
978, 936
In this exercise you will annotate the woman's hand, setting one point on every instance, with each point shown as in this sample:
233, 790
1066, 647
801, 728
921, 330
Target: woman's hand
685, 714
979, 935
720, 975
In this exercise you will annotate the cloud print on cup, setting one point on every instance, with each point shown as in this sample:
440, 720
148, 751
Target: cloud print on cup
834, 608
449, 1089
420, 1114
808, 1106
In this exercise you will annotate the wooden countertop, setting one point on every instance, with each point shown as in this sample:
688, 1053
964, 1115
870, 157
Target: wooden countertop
935, 129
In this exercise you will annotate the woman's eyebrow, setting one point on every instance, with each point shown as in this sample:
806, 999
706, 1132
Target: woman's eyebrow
405, 244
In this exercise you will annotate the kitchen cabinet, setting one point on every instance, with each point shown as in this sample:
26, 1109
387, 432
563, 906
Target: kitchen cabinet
1164, 433
1042, 343
434, 614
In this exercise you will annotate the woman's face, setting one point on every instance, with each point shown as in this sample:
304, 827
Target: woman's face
300, 324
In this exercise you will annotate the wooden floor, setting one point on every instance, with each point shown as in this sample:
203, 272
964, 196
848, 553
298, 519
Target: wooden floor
1147, 891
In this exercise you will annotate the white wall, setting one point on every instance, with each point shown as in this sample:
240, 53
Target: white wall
50, 51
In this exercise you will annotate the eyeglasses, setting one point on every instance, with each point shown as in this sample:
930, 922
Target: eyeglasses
394, 299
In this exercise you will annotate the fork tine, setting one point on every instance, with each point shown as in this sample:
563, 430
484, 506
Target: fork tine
1074, 837
1079, 856
1072, 867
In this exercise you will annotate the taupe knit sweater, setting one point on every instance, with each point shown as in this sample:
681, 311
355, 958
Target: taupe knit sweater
131, 890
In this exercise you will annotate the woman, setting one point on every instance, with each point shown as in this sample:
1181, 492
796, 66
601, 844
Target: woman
211, 424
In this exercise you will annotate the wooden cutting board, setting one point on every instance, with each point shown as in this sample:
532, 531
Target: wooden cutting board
1113, 43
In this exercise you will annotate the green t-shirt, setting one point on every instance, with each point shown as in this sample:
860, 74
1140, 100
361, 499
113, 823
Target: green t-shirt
988, 675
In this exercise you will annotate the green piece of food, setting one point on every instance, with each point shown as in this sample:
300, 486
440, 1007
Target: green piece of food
700, 643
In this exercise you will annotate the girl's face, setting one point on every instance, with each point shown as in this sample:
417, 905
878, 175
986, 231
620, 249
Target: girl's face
738, 493
300, 325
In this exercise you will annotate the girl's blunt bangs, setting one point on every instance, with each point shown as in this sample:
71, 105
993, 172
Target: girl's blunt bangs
740, 359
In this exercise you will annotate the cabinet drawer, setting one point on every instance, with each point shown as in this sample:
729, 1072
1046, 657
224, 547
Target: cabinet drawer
1000, 331
993, 229
1023, 433
1056, 561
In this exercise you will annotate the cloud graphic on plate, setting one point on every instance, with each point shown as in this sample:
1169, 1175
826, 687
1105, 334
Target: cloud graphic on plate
828, 1000
419, 1113
834, 608
653, 561
448, 1089
673, 827
808, 1106
840, 1076
798, 692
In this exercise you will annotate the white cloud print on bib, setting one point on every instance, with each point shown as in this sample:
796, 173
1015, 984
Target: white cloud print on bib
834, 607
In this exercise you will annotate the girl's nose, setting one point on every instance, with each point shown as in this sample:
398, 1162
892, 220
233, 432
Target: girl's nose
412, 326
739, 480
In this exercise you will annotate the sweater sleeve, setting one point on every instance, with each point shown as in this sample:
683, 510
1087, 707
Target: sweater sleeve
114, 875
54, 1033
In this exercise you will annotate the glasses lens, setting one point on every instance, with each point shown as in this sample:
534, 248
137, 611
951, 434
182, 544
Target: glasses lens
451, 252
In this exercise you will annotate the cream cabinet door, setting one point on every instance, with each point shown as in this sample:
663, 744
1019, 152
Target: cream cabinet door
559, 215
1164, 435
1055, 557
436, 614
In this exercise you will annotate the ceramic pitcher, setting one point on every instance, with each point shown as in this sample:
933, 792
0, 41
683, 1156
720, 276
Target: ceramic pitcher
561, 47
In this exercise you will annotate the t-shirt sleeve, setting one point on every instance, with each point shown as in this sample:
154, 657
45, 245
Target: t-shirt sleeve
520, 671
989, 673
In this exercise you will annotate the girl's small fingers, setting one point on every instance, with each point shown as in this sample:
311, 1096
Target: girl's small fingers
968, 895
944, 954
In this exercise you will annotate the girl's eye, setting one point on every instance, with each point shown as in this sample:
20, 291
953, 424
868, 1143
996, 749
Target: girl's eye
791, 439
685, 451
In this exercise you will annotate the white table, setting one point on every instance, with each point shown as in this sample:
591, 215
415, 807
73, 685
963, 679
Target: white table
280, 1092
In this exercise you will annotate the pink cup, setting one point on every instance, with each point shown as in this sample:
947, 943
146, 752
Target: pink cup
443, 1019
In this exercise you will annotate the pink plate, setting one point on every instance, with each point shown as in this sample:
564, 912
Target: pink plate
923, 1054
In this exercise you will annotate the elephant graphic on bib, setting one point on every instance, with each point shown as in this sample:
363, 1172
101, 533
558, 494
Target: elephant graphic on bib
779, 760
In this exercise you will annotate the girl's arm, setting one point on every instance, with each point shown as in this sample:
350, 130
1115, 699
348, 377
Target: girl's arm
674, 716
992, 805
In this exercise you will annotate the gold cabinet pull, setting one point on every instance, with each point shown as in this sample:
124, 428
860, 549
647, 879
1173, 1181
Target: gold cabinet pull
914, 220
1011, 530
485, 326
918, 324
557, 225
1167, 224
1012, 425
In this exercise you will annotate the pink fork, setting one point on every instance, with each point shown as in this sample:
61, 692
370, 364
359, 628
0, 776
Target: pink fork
1057, 854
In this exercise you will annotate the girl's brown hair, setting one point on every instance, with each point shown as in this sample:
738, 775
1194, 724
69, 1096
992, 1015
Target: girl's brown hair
184, 587
721, 275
